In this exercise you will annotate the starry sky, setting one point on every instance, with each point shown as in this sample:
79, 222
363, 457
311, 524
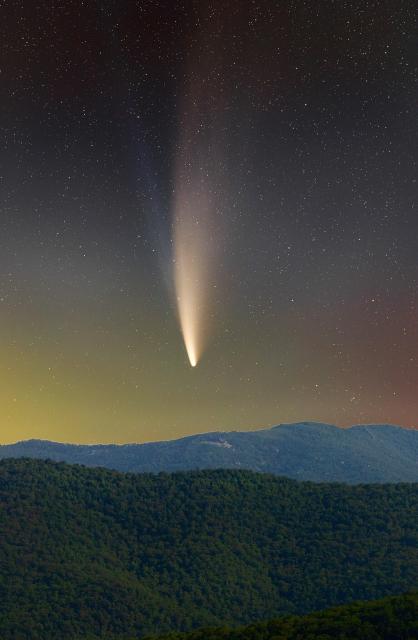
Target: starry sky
309, 108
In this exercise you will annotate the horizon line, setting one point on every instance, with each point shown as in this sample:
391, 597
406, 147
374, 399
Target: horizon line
202, 433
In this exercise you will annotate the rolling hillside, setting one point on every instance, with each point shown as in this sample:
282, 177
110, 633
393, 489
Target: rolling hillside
85, 552
393, 618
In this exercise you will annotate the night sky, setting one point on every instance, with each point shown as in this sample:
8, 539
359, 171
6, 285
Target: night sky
301, 118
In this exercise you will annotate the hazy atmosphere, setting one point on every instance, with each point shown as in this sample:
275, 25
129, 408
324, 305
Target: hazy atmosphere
229, 188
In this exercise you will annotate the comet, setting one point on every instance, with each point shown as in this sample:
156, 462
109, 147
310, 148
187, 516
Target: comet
198, 196
194, 268
197, 233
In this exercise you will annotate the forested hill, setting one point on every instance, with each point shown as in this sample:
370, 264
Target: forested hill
96, 553
394, 618
304, 451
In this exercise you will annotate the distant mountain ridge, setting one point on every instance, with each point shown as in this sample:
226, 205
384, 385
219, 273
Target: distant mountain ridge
303, 451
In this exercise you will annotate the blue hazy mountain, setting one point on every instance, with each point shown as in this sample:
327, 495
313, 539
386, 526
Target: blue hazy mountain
304, 451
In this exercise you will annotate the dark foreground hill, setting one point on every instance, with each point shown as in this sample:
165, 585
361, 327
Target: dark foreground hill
393, 618
304, 451
96, 553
